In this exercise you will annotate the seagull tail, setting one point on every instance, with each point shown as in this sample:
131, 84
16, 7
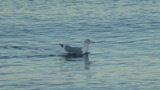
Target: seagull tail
61, 45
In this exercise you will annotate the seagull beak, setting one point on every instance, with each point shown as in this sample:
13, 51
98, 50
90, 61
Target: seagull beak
93, 42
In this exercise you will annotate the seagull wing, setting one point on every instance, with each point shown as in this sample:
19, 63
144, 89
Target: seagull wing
73, 50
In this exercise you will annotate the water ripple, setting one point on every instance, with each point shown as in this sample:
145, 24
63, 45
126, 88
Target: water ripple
125, 55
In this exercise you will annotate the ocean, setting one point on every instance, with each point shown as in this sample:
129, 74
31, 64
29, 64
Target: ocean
126, 55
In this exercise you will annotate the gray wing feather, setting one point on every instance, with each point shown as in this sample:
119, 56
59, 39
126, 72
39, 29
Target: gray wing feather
73, 50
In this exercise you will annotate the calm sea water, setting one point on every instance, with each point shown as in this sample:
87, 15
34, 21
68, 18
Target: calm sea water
126, 55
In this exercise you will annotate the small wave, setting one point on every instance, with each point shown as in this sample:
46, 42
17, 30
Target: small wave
40, 56
18, 47
27, 56
14, 47
127, 42
23, 47
8, 57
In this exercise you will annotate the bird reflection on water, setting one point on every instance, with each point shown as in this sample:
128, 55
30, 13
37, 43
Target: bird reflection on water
74, 57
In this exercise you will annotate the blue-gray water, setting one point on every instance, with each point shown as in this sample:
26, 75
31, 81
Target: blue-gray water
126, 55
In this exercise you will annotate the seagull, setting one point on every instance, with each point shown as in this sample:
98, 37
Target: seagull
78, 50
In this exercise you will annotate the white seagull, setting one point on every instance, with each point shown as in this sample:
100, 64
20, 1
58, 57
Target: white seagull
78, 50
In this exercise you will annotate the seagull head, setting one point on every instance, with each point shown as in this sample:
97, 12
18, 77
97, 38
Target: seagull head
88, 41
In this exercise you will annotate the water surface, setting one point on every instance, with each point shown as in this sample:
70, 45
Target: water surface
124, 57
